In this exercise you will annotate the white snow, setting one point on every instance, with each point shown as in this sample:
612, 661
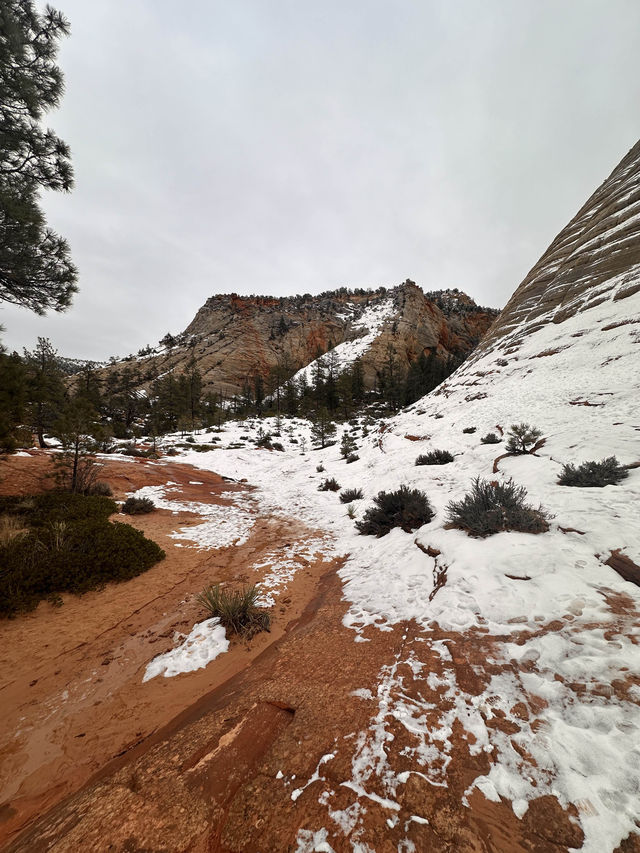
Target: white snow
205, 643
585, 744
371, 322
224, 525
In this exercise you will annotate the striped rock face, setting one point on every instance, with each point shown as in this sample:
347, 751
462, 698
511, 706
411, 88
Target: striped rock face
596, 257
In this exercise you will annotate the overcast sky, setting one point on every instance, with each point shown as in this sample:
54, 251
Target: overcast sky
287, 146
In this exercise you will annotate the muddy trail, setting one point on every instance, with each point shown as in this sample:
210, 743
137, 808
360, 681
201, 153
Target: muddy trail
71, 676
302, 740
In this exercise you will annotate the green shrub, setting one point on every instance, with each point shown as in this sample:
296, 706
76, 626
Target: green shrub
263, 439
138, 506
320, 468
101, 488
490, 438
237, 610
352, 457
131, 450
70, 557
351, 495
469, 429
172, 452
39, 510
406, 508
277, 445
521, 436
608, 472
329, 485
436, 457
491, 507
351, 511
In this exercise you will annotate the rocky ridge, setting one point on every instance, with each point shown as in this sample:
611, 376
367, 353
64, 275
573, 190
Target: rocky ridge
233, 337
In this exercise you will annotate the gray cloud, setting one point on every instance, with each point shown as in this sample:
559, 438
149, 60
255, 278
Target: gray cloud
291, 146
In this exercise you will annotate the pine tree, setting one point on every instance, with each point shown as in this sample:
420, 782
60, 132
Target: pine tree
35, 267
348, 445
322, 428
13, 386
45, 388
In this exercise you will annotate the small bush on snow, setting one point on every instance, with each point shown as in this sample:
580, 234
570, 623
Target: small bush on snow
491, 507
469, 429
521, 436
405, 508
490, 438
608, 472
349, 495
329, 485
436, 457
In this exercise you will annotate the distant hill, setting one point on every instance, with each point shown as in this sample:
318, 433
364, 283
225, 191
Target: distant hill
234, 337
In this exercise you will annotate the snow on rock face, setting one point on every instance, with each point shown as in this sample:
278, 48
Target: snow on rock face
371, 322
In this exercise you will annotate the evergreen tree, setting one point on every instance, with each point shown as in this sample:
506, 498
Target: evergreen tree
322, 429
12, 399
76, 468
348, 445
35, 267
45, 388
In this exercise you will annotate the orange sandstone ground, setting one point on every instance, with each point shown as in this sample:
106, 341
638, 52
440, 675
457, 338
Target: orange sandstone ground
230, 758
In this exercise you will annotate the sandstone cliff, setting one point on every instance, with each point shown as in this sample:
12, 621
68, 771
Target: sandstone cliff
232, 337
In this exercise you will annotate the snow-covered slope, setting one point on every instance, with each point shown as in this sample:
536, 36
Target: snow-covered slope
370, 323
564, 626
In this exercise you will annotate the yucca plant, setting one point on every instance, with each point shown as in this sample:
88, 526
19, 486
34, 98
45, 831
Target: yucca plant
237, 609
349, 495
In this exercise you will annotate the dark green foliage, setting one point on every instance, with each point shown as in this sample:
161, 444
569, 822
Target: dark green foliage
406, 508
607, 472
329, 485
237, 610
322, 429
426, 373
349, 495
40, 510
44, 388
520, 437
436, 457
348, 445
102, 488
490, 438
352, 457
264, 439
172, 452
469, 429
35, 269
69, 546
491, 507
320, 468
138, 506
277, 445
13, 399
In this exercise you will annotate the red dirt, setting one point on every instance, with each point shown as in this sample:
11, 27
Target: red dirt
71, 676
208, 761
